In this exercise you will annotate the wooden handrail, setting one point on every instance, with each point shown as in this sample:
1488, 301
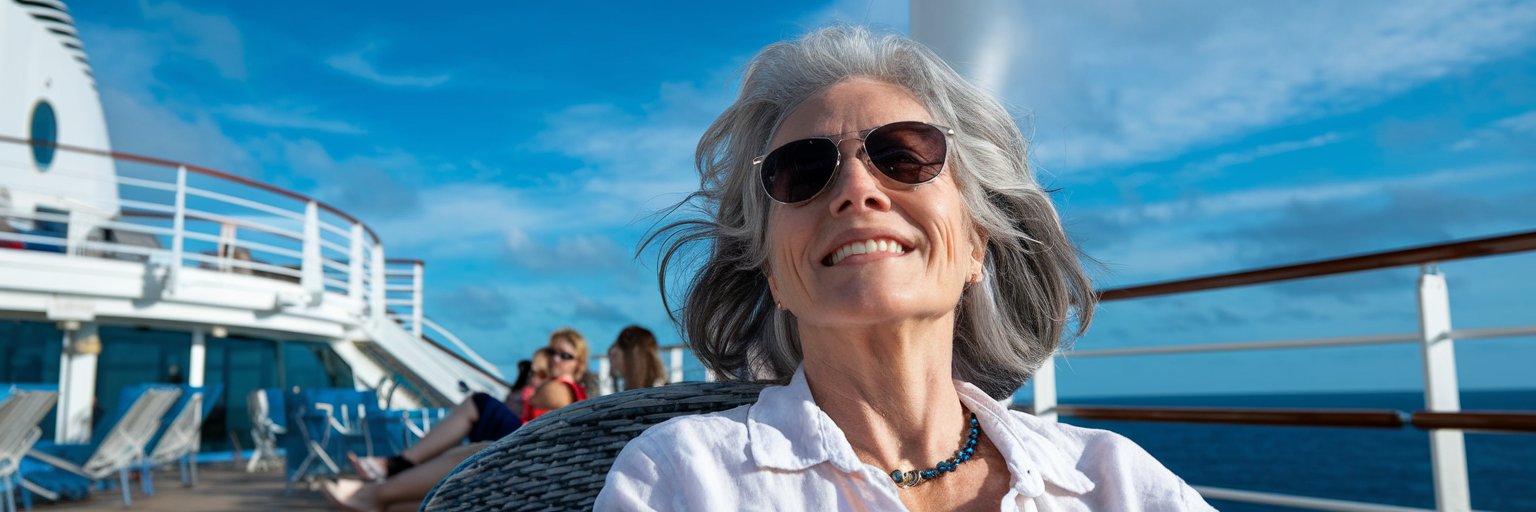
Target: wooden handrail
118, 155
1496, 421
1503, 244
1377, 418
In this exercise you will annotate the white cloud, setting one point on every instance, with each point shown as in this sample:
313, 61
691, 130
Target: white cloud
1216, 164
144, 126
1521, 126
356, 64
211, 37
635, 160
301, 119
1111, 82
1265, 199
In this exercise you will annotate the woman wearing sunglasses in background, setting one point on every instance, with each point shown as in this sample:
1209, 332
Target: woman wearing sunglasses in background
567, 368
877, 245
404, 479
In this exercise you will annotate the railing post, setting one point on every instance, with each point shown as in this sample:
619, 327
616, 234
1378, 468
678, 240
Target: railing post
178, 226
676, 375
606, 385
355, 264
197, 358
377, 285
417, 276
1441, 394
312, 270
1044, 387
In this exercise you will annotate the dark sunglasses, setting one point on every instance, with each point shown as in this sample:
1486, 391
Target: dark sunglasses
910, 152
564, 356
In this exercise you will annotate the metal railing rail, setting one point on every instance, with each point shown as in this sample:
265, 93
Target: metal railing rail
470, 354
186, 215
1442, 416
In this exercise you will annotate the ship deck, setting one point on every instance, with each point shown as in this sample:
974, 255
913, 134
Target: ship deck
220, 486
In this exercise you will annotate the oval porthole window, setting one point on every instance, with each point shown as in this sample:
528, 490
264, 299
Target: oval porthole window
45, 135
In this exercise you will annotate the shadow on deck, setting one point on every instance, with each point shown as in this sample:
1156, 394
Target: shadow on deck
220, 486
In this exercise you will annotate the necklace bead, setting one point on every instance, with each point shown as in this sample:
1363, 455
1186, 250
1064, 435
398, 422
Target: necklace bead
915, 477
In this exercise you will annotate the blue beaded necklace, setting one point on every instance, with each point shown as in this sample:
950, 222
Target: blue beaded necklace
918, 476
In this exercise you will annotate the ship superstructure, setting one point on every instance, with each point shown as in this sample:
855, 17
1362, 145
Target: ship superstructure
118, 269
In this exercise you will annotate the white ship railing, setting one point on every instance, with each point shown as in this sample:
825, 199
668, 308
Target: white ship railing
175, 216
1442, 415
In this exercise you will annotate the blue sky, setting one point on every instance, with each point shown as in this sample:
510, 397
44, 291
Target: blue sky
521, 148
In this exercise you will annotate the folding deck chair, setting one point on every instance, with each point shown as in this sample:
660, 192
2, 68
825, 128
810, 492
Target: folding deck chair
21, 408
181, 438
326, 420
269, 420
123, 445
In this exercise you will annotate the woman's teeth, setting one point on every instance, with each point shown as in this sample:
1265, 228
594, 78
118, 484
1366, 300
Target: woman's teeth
866, 247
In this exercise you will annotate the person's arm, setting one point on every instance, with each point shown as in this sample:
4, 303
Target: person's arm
553, 395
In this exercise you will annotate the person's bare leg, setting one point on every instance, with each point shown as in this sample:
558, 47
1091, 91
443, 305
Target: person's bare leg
446, 434
412, 485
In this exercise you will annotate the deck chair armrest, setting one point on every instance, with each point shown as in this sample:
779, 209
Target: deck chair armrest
39, 490
58, 463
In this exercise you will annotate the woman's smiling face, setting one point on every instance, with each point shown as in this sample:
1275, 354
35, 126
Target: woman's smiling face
915, 247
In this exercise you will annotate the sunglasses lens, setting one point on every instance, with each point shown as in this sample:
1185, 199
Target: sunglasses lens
798, 170
909, 152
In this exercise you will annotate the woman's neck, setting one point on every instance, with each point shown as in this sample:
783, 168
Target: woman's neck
889, 388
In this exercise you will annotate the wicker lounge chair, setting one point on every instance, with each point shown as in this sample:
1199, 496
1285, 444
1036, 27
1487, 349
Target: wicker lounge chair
559, 461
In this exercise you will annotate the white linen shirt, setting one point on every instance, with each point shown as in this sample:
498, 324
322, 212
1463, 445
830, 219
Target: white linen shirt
784, 453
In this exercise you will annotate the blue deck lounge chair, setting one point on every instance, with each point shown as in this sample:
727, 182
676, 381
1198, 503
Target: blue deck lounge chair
120, 445
21, 408
324, 423
181, 436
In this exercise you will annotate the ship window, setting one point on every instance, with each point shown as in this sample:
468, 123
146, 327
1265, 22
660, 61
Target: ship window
45, 134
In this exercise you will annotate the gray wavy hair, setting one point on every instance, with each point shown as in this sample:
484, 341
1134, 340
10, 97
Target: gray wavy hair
1005, 326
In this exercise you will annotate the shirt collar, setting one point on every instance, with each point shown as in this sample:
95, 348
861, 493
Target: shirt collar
1031, 457
786, 430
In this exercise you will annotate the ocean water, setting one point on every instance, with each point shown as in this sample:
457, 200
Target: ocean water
1386, 466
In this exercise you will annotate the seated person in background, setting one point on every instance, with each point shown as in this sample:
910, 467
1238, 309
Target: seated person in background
877, 245
481, 420
527, 381
567, 367
633, 362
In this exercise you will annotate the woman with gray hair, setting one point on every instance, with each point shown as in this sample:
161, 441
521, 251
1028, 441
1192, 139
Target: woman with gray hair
877, 245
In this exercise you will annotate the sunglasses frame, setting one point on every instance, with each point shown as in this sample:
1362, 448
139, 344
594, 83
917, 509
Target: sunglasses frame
837, 168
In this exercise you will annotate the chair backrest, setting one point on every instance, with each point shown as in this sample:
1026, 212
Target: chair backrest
560, 460
182, 434
267, 410
124, 444
20, 411
319, 419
